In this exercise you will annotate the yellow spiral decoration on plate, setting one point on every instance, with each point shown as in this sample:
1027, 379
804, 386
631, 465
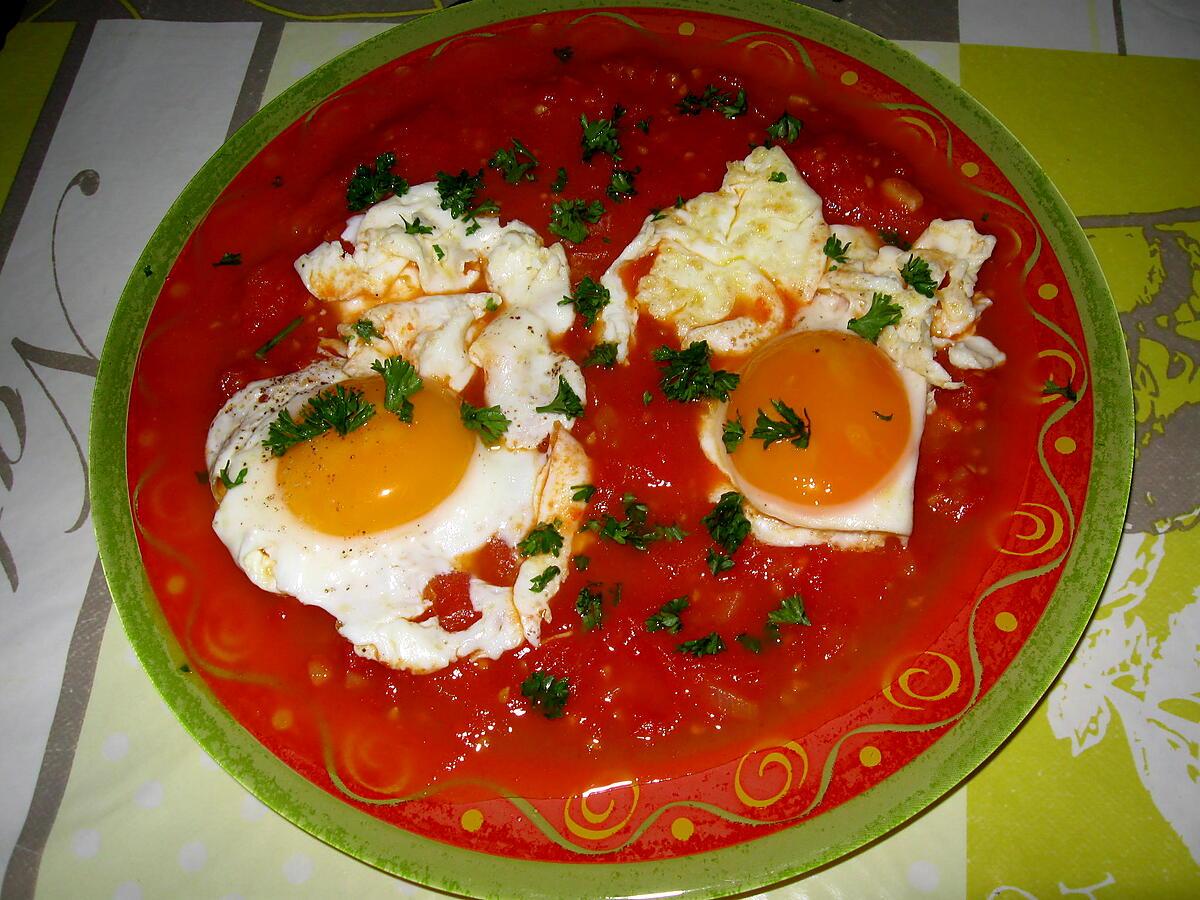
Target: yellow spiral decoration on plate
1048, 534
774, 758
904, 683
595, 829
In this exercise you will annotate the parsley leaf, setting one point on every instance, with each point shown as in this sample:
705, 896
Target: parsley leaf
749, 641
589, 298
709, 645
559, 182
726, 523
439, 251
582, 492
509, 164
232, 482
400, 381
792, 428
564, 53
415, 226
229, 259
1063, 389
835, 249
620, 187
489, 421
581, 562
718, 562
883, 312
366, 330
917, 276
566, 402
790, 612
633, 530
646, 398
732, 434
147, 271
603, 354
644, 125
568, 218
368, 186
336, 409
457, 193
729, 105
895, 239
667, 617
601, 136
778, 177
590, 606
261, 352
547, 693
687, 374
542, 539
784, 130
492, 303
538, 583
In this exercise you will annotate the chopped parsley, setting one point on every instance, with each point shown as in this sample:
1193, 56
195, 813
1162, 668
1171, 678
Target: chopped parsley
547, 693
564, 53
1064, 390
729, 105
881, 416
368, 186
726, 523
733, 434
491, 304
232, 482
688, 376
415, 226
667, 617
790, 612
400, 381
147, 271
457, 193
439, 251
895, 239
784, 130
542, 539
566, 402
792, 428
489, 421
581, 562
601, 136
646, 398
620, 186
261, 352
603, 354
559, 182
229, 259
336, 409
538, 583
643, 126
516, 164
709, 645
778, 177
718, 562
633, 529
589, 298
749, 641
917, 276
582, 493
835, 249
365, 330
657, 215
569, 218
590, 606
884, 311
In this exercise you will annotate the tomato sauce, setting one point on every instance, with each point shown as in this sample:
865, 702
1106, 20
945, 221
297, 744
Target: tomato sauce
638, 706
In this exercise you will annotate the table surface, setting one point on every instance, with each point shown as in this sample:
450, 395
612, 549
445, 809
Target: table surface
111, 106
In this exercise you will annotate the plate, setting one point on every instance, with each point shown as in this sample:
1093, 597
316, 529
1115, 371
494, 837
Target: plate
791, 801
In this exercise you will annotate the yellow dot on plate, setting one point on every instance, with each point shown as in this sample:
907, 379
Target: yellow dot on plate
1048, 291
1006, 621
687, 29
682, 828
282, 719
869, 756
970, 169
472, 820
849, 78
1065, 445
176, 585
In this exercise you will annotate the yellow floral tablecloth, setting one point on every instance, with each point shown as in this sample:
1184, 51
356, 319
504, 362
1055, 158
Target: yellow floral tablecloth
110, 106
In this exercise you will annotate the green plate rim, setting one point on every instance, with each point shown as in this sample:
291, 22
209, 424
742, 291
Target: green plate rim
768, 860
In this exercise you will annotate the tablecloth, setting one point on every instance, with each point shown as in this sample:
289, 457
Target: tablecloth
108, 108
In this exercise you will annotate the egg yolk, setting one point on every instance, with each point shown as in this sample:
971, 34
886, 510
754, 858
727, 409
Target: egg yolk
856, 406
383, 474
